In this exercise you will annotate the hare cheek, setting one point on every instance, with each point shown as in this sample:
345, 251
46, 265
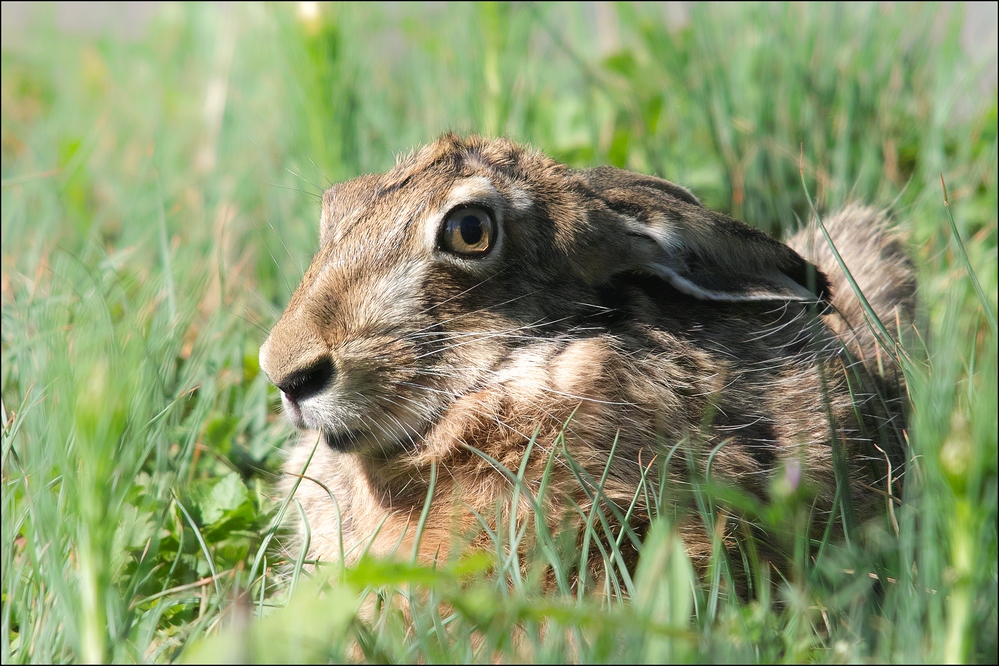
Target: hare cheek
580, 365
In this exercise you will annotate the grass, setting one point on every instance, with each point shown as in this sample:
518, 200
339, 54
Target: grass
159, 204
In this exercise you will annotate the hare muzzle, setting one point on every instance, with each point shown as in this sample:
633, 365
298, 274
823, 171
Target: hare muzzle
300, 366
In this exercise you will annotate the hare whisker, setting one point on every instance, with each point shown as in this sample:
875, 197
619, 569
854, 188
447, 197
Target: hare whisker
588, 399
476, 311
460, 294
452, 347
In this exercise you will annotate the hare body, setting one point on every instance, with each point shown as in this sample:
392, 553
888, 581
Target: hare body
603, 321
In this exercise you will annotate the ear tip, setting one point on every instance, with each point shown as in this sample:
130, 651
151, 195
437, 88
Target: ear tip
824, 288
811, 278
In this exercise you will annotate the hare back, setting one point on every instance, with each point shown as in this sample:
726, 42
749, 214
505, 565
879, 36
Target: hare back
482, 310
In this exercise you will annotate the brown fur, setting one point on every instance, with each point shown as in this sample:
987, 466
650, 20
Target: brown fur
613, 308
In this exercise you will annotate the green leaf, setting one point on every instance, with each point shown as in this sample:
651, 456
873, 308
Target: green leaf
225, 496
219, 431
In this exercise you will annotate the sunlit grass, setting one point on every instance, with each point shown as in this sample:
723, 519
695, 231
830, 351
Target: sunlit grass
160, 202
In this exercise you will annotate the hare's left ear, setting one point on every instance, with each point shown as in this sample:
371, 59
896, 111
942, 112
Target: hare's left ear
651, 226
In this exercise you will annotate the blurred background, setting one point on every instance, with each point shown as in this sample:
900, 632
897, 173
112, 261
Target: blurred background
722, 100
162, 166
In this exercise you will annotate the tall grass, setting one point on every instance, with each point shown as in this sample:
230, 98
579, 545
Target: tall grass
159, 204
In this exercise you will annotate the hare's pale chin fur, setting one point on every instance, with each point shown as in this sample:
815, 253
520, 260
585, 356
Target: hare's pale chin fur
613, 312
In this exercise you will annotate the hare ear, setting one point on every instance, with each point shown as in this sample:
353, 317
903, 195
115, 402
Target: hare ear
661, 229
343, 202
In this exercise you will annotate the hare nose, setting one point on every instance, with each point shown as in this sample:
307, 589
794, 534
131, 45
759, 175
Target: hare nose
307, 381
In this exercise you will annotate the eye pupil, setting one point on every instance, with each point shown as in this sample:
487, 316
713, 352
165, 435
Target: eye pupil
471, 229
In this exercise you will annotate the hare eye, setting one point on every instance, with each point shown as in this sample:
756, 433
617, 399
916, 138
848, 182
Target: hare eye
468, 231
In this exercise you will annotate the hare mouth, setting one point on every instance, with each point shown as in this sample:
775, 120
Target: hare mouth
343, 442
386, 443
361, 440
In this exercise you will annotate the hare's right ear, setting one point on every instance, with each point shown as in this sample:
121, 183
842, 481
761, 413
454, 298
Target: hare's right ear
343, 202
648, 225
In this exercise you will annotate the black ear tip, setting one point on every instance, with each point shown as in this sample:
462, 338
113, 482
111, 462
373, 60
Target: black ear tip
817, 283
823, 288
812, 279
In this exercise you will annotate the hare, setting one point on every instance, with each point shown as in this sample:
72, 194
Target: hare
496, 335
